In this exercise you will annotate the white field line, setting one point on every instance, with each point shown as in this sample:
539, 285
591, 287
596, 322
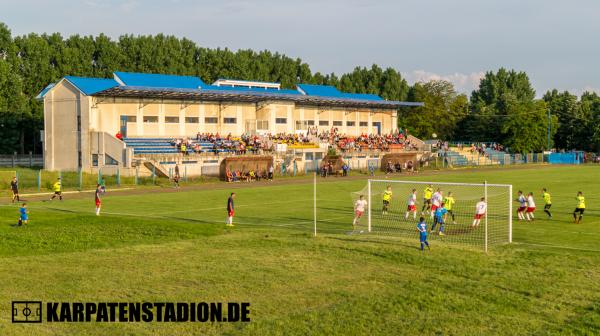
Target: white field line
223, 208
71, 192
217, 221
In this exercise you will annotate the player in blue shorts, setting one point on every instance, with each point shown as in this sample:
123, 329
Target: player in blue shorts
439, 218
422, 227
23, 215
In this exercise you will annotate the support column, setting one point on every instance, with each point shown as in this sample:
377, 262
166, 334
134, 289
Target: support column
201, 116
139, 119
182, 113
290, 119
161, 118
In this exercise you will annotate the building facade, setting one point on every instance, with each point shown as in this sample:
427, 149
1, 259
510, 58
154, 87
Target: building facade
83, 115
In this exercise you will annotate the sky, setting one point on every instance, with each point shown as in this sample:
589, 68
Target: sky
555, 42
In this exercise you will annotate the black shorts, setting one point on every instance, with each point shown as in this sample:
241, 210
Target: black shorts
580, 210
57, 192
386, 203
427, 201
15, 191
547, 206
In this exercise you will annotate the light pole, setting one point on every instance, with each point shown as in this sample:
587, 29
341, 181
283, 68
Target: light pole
549, 126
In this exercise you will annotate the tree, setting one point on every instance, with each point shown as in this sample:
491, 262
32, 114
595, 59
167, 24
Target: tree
503, 109
524, 123
567, 111
442, 111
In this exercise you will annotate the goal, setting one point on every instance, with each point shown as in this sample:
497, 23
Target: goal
395, 217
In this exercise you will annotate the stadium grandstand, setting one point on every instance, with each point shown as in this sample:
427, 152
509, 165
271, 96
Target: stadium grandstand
133, 119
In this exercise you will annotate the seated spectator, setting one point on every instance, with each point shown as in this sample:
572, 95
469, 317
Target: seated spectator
228, 175
398, 167
390, 168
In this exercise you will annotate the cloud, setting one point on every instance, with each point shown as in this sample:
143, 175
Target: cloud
463, 83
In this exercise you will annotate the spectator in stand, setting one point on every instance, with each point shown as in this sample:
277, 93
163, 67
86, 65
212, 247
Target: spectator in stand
119, 136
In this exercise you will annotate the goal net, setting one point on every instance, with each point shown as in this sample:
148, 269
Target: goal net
393, 210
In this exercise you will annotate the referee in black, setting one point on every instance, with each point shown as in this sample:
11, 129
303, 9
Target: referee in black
14, 186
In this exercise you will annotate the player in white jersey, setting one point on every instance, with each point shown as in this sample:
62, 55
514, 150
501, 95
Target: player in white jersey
522, 205
530, 207
412, 204
480, 209
436, 201
359, 210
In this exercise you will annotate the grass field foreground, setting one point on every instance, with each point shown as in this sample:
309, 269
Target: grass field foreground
175, 247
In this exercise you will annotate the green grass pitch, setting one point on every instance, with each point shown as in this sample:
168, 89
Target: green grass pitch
174, 246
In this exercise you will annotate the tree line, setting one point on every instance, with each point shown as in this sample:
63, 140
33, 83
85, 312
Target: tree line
503, 109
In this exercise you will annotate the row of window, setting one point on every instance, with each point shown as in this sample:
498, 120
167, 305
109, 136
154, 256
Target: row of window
261, 123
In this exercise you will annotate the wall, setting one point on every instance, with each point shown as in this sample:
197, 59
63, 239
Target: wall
61, 143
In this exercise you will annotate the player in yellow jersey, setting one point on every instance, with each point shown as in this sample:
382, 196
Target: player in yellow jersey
57, 188
580, 207
427, 193
547, 202
449, 202
387, 198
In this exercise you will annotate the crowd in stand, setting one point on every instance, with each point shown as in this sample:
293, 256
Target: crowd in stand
347, 143
265, 143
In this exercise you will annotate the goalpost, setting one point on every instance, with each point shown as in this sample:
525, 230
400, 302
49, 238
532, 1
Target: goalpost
493, 228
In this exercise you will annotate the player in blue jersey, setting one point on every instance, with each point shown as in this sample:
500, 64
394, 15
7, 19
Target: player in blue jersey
439, 218
422, 228
23, 215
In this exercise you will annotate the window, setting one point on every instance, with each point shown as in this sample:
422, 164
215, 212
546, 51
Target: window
323, 122
304, 124
337, 123
192, 120
172, 120
262, 124
211, 120
131, 118
150, 119
318, 156
109, 161
281, 120
229, 120
364, 124
350, 123
309, 156
95, 160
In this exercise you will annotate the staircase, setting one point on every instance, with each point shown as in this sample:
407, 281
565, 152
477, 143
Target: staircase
477, 159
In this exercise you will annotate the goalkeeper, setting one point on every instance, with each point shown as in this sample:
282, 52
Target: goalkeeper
439, 218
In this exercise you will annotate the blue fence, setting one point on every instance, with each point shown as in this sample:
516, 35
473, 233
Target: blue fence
566, 158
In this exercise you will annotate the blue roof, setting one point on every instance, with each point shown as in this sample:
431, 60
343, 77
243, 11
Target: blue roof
42, 93
333, 92
363, 96
89, 86
159, 81
319, 90
247, 89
